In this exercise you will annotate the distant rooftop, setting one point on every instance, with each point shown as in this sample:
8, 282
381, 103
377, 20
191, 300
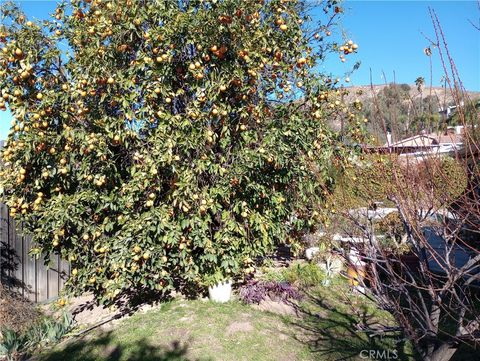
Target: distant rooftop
453, 136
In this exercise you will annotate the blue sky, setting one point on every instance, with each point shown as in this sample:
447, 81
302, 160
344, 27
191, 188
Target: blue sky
391, 36
391, 39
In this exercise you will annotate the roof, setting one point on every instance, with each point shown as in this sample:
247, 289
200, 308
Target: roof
449, 138
428, 140
420, 140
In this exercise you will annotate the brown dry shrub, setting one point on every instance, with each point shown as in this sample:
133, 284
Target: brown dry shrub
16, 313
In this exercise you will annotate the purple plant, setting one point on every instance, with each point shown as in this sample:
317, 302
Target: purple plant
256, 291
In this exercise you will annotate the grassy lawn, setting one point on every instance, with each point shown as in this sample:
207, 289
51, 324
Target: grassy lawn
326, 328
190, 330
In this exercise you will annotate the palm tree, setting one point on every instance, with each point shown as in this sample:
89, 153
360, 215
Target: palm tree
420, 82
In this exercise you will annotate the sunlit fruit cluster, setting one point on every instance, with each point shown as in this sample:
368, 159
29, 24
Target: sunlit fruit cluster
348, 48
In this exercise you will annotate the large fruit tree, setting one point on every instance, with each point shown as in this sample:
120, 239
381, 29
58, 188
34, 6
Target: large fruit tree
156, 142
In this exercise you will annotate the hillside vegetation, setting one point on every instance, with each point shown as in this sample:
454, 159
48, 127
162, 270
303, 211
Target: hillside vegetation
404, 109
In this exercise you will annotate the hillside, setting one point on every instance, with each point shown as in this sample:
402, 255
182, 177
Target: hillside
403, 106
365, 92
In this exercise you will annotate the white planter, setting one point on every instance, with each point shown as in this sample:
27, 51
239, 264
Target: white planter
221, 292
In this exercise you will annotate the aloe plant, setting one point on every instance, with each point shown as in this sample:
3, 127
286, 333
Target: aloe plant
46, 331
12, 344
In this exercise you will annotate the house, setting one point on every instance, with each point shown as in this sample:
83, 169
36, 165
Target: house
423, 144
417, 141
449, 109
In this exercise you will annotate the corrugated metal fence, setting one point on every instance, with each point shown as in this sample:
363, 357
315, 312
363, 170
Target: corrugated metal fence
23, 273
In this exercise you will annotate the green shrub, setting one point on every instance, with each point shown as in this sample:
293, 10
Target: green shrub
304, 274
445, 179
435, 181
370, 179
391, 233
271, 274
391, 226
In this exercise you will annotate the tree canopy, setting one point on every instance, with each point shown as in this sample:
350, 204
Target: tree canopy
155, 142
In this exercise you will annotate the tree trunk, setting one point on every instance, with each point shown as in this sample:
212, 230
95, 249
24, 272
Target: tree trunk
443, 353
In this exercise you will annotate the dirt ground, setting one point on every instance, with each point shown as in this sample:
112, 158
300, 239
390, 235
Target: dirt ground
88, 315
16, 313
